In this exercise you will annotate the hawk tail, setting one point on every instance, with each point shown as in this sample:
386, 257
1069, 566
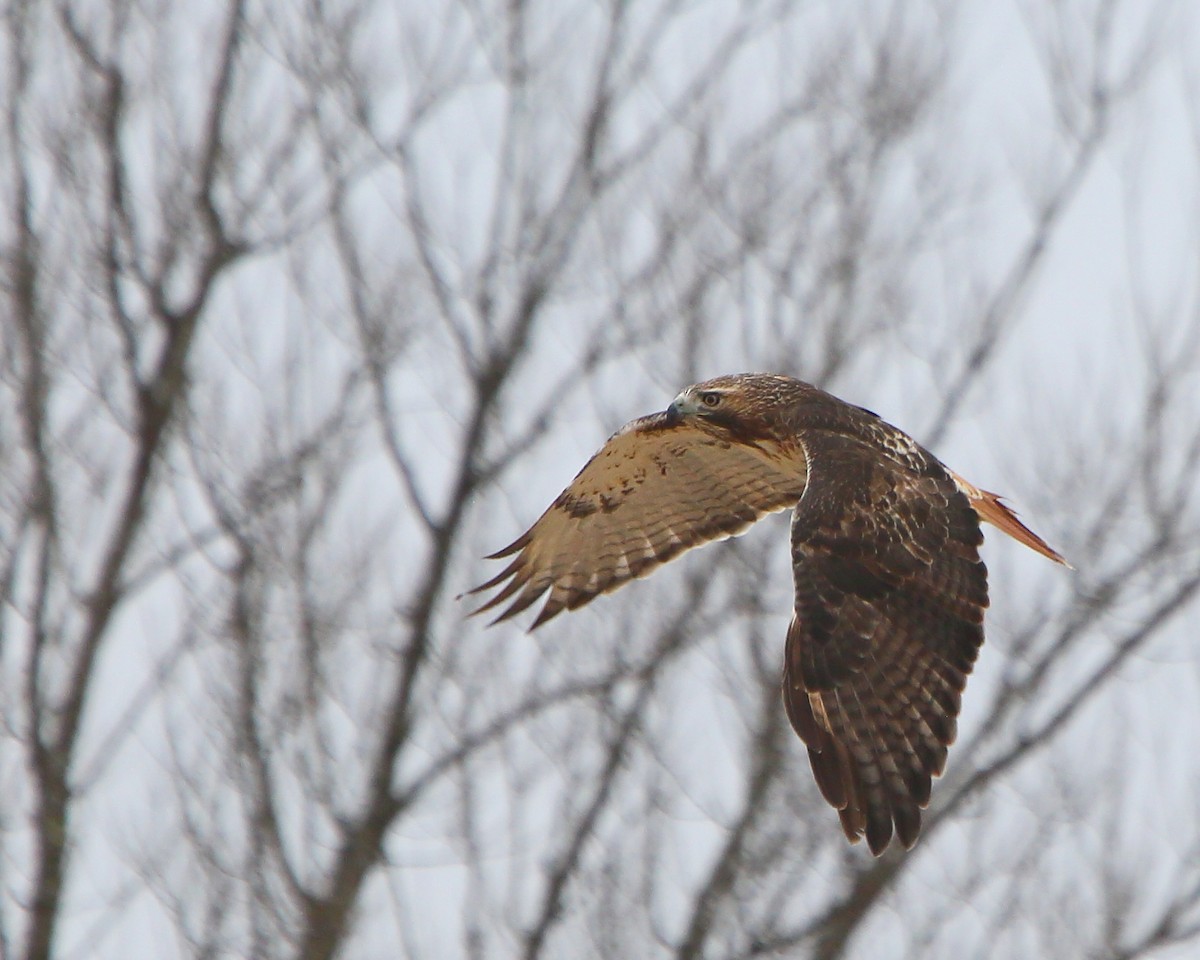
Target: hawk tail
990, 507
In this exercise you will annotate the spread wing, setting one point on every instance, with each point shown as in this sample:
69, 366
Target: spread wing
890, 595
658, 487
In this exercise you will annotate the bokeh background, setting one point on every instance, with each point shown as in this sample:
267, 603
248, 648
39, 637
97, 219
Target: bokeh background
305, 307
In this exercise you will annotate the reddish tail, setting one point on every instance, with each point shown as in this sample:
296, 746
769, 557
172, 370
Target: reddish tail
990, 508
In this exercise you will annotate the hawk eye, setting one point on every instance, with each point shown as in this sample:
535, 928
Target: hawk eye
710, 398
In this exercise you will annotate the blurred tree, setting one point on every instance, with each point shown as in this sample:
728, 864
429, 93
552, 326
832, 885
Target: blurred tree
305, 308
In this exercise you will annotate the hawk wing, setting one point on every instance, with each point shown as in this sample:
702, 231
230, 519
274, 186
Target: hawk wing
658, 487
890, 595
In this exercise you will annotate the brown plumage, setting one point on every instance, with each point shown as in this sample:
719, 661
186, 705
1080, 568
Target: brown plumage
889, 587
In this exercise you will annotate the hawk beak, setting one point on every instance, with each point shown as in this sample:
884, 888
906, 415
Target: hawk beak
674, 413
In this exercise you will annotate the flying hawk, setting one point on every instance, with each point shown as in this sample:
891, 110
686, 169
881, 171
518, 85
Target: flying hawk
890, 590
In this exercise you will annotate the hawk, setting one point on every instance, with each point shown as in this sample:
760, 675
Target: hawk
889, 588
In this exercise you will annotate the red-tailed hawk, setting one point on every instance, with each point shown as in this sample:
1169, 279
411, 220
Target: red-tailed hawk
890, 590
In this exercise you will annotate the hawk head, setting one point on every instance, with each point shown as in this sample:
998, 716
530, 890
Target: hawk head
744, 406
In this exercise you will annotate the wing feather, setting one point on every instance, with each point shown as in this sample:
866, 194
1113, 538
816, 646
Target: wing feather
890, 594
658, 487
